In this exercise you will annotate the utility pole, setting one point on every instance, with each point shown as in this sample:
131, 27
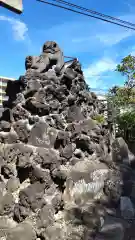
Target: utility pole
15, 6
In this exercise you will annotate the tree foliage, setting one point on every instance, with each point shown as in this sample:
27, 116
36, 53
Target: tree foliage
127, 68
99, 118
126, 94
123, 98
126, 125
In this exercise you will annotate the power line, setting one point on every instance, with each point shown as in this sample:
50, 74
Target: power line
85, 14
98, 75
94, 12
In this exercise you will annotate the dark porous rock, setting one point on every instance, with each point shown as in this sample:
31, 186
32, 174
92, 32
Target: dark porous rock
5, 226
33, 196
23, 231
8, 137
74, 160
58, 121
12, 184
78, 153
113, 228
127, 188
13, 152
21, 212
5, 126
19, 112
52, 232
71, 99
40, 175
33, 119
22, 129
131, 159
2, 189
8, 170
36, 107
62, 92
57, 202
114, 186
45, 157
59, 177
13, 88
70, 74
119, 150
7, 115
45, 217
83, 142
40, 96
32, 87
67, 152
59, 170
62, 139
54, 105
7, 205
43, 136
87, 127
74, 114
49, 157
20, 99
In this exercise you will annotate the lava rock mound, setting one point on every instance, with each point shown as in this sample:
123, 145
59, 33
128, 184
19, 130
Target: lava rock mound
54, 157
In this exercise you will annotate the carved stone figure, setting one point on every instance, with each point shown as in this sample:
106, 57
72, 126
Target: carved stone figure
51, 55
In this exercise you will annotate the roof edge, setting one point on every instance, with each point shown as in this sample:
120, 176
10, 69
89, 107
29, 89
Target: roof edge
7, 78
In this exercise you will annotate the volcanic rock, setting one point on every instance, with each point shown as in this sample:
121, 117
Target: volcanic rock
55, 175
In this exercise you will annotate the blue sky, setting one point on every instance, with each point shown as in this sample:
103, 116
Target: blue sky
98, 45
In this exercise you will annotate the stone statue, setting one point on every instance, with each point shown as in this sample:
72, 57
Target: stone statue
51, 55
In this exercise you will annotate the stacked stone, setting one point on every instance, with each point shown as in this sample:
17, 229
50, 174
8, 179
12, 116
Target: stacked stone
54, 158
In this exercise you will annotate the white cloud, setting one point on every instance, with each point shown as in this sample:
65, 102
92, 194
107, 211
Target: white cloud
19, 28
87, 35
95, 73
114, 38
113, 34
106, 37
103, 65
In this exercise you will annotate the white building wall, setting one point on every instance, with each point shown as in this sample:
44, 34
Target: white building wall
3, 85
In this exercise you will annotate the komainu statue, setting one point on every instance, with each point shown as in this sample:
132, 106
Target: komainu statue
51, 55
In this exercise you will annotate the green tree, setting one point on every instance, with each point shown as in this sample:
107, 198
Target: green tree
127, 68
126, 94
126, 125
121, 96
124, 98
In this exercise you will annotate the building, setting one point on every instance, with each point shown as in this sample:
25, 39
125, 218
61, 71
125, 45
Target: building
101, 97
103, 100
13, 5
3, 85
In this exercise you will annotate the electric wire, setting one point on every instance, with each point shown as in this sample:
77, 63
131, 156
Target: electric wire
85, 14
94, 12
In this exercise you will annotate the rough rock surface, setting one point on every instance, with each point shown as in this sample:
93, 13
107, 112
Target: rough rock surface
58, 179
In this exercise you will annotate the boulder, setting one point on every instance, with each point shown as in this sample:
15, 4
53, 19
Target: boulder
127, 208
119, 150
